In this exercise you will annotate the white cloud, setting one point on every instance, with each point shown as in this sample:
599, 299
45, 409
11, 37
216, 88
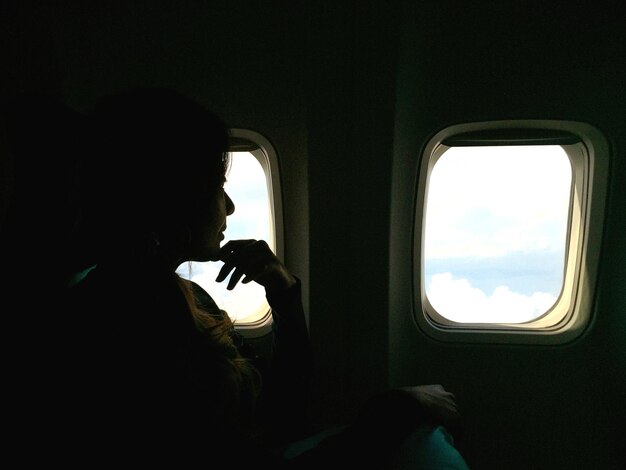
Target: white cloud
245, 172
457, 300
489, 201
244, 303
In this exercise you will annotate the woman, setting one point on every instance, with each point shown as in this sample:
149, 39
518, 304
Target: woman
158, 357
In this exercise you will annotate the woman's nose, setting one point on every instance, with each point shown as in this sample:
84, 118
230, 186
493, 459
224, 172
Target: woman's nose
230, 205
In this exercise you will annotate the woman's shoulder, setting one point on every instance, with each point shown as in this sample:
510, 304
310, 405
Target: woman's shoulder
203, 299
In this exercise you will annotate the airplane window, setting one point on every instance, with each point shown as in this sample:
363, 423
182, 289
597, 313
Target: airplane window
496, 232
249, 186
508, 229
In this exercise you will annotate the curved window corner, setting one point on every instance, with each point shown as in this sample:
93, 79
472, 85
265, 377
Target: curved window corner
253, 183
508, 228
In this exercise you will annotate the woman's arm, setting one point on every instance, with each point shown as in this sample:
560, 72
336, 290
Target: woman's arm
287, 371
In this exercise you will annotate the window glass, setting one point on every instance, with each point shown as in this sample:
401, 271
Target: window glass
495, 232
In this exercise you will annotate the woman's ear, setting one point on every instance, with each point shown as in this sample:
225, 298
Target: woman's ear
150, 244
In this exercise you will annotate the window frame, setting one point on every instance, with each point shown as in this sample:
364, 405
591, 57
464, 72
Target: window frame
571, 315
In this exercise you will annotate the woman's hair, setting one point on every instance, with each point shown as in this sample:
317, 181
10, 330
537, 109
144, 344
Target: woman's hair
235, 383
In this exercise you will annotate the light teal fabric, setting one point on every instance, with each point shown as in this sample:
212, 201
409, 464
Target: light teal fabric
79, 276
427, 448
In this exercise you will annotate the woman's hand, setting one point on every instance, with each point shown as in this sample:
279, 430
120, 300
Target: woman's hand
399, 411
434, 397
255, 260
437, 402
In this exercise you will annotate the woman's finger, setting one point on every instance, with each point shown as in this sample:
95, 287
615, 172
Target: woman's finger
234, 278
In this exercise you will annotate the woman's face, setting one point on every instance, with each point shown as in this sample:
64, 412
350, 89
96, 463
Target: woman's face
208, 233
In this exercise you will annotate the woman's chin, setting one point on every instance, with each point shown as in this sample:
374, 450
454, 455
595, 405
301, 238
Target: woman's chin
208, 252
213, 255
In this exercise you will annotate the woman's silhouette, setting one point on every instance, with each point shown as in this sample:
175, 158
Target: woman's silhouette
156, 357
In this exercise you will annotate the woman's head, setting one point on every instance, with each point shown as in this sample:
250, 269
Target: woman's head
157, 179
